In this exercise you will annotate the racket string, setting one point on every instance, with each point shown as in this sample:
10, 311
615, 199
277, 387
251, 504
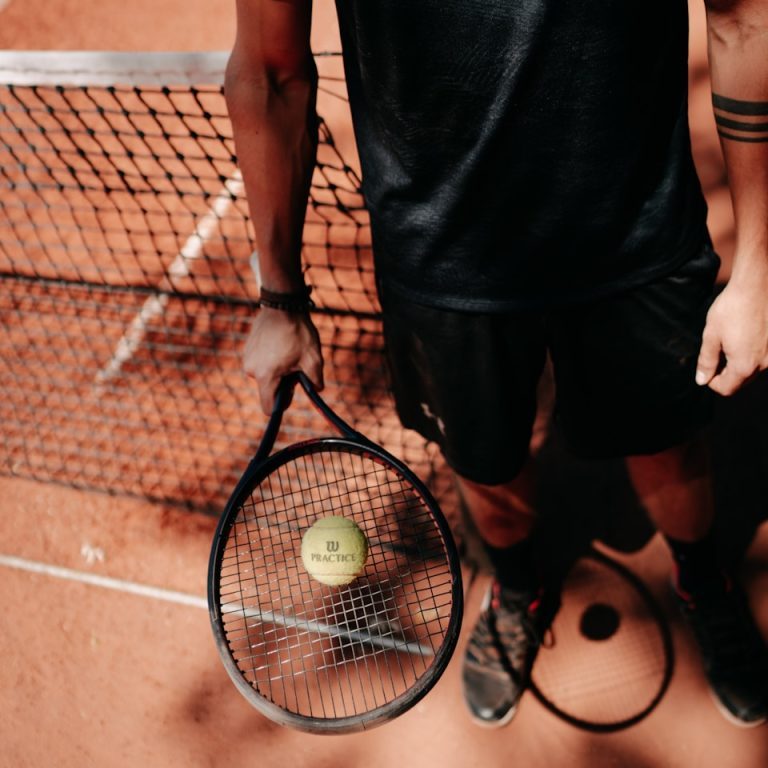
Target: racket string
335, 651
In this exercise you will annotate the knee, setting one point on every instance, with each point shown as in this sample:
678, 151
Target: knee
692, 455
498, 504
678, 464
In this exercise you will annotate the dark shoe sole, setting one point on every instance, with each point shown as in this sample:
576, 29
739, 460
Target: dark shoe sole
721, 708
734, 719
492, 724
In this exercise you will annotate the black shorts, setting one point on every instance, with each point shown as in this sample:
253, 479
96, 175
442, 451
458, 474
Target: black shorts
624, 370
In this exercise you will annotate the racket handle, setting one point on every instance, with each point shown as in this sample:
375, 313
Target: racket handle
283, 399
324, 408
284, 394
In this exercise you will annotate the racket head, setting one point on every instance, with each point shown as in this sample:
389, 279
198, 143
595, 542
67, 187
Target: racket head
334, 659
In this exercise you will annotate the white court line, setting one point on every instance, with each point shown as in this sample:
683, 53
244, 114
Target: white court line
107, 582
4, 3
155, 305
182, 598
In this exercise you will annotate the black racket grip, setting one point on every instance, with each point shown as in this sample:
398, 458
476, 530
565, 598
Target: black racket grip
283, 400
284, 394
331, 416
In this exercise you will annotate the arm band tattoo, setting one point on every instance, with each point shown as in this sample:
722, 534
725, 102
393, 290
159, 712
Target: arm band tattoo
730, 114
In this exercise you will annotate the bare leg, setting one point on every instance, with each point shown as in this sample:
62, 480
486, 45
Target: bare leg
504, 643
503, 514
676, 489
674, 485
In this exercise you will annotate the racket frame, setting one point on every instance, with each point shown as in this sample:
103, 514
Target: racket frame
259, 468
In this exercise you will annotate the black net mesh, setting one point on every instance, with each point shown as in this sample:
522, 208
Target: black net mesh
125, 251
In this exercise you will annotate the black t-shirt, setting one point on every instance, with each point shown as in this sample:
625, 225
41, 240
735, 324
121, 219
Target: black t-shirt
522, 152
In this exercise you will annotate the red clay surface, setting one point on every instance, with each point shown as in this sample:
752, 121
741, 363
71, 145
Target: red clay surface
99, 677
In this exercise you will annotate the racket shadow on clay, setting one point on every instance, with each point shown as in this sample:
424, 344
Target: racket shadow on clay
341, 657
612, 659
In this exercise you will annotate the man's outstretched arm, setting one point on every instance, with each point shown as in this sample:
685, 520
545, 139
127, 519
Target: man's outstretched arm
737, 324
270, 88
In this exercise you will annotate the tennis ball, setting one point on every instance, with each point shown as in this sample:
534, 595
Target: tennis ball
334, 550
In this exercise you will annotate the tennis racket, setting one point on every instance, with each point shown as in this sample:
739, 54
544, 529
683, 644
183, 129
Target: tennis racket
332, 658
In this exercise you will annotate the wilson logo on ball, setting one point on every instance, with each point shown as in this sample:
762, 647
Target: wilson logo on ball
335, 561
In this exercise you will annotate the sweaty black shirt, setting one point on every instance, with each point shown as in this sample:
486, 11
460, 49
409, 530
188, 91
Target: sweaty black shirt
522, 152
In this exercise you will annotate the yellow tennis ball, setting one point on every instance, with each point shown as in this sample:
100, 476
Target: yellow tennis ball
334, 550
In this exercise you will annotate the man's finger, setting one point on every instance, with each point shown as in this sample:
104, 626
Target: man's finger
728, 381
709, 358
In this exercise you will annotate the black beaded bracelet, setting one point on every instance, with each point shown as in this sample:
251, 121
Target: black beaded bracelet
296, 302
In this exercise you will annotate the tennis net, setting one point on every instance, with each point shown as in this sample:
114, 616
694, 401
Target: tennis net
125, 249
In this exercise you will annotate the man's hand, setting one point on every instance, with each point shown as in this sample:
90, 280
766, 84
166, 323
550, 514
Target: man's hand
280, 343
737, 327
737, 323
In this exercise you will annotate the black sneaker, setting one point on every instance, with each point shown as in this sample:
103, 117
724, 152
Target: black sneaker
734, 654
501, 651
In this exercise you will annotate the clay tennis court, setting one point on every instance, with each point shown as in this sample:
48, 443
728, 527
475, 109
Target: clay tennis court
108, 658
